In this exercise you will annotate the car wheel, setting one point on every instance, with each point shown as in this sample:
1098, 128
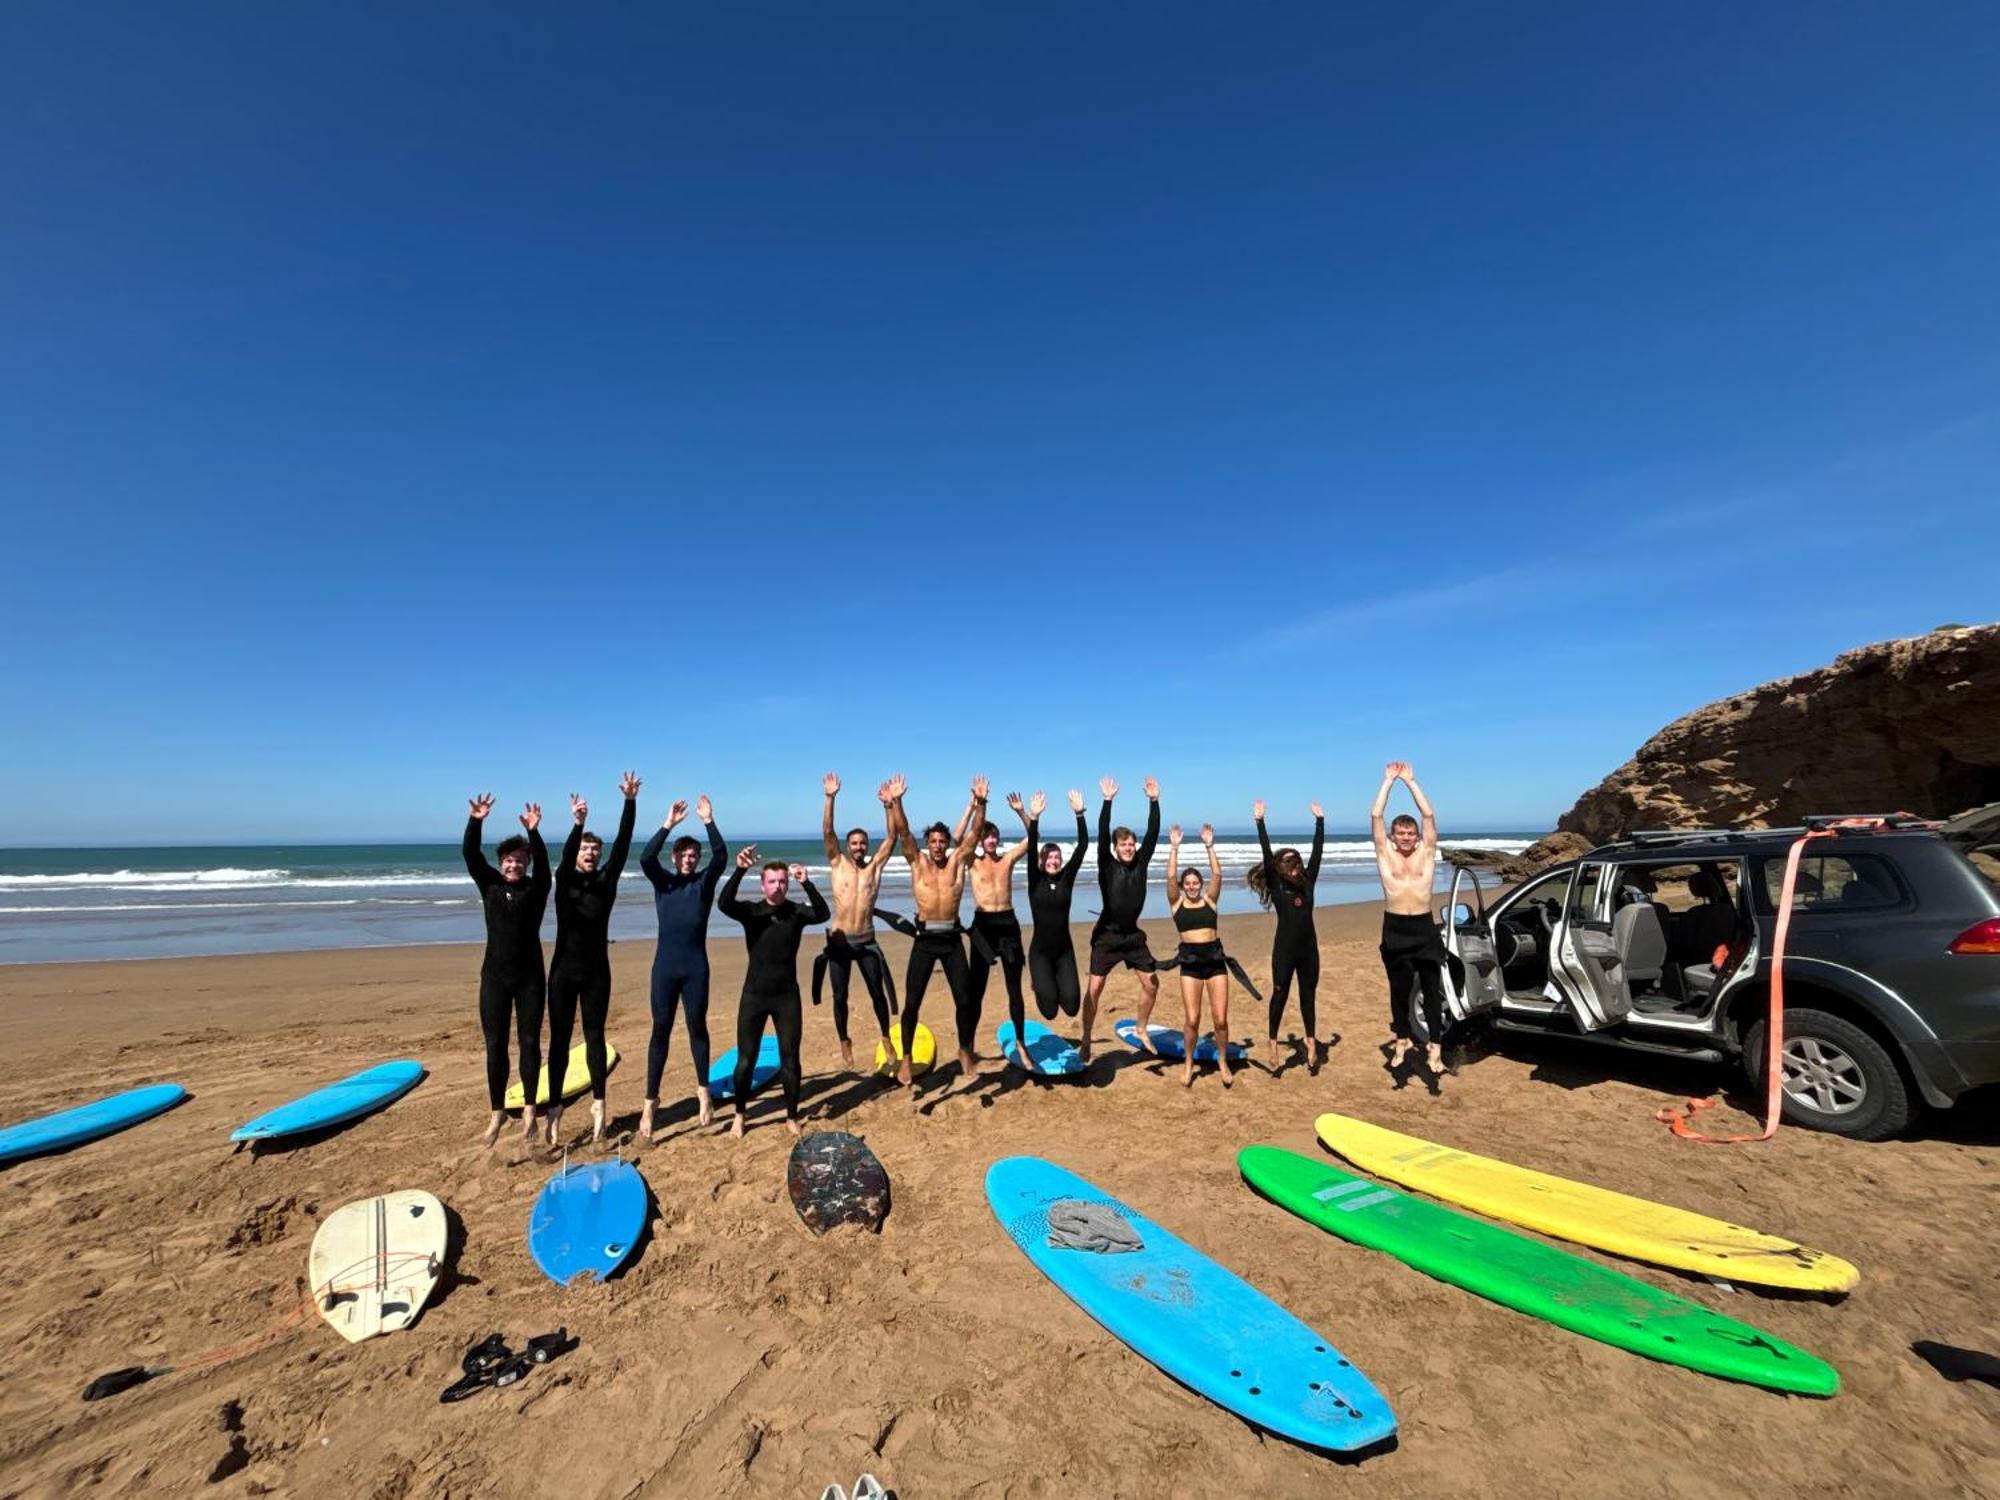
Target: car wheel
1837, 1077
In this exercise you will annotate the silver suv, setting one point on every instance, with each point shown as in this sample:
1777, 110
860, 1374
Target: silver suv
1660, 943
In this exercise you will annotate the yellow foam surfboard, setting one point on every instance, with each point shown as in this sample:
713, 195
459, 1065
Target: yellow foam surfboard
576, 1077
925, 1053
1585, 1215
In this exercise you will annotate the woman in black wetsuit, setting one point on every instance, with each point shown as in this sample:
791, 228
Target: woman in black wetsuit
580, 973
1051, 882
1204, 968
511, 978
1285, 883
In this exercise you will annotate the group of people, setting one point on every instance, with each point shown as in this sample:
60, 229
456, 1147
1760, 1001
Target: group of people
514, 988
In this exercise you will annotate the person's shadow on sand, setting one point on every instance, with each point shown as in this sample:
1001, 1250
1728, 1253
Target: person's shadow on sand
1412, 1067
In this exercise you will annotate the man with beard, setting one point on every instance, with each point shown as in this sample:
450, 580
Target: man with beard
856, 880
996, 931
937, 881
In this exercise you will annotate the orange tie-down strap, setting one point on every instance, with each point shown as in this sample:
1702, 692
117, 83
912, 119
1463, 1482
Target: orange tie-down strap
1680, 1120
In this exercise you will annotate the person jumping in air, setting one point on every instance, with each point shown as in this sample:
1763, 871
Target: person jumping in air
515, 896
580, 973
1122, 862
682, 896
996, 931
1412, 952
772, 931
856, 879
1051, 882
1203, 965
937, 881
1285, 884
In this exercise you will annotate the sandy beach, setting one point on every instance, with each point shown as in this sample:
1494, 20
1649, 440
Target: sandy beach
738, 1355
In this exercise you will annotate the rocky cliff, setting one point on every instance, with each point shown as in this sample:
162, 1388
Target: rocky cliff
1910, 725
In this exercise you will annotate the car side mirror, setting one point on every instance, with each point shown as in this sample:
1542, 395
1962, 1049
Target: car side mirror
1460, 915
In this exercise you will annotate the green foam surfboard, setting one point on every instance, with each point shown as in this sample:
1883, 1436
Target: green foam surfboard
1531, 1277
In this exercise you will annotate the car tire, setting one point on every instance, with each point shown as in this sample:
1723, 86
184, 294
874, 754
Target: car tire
1844, 1056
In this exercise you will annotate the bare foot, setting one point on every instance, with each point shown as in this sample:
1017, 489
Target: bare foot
1227, 1076
736, 1125
1187, 1072
1083, 1051
1399, 1051
493, 1129
792, 1125
597, 1119
528, 1124
903, 1072
968, 1063
707, 1106
551, 1123
847, 1054
646, 1122
1315, 1055
1271, 1057
1145, 1035
1434, 1055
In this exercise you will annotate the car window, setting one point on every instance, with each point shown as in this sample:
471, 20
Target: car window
1583, 895
1832, 883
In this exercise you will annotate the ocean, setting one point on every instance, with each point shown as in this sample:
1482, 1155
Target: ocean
66, 905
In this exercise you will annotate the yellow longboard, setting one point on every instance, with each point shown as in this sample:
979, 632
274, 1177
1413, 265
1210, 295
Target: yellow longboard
1585, 1215
925, 1052
576, 1077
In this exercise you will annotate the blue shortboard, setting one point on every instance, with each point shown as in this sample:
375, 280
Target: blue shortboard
1170, 1043
1048, 1054
87, 1122
722, 1072
337, 1103
587, 1220
1209, 1329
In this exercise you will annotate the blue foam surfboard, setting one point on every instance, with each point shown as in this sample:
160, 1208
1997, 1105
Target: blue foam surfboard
87, 1122
337, 1103
722, 1072
587, 1220
1169, 1043
1209, 1329
1048, 1054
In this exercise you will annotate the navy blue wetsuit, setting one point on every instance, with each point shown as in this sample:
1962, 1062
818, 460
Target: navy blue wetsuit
510, 976
680, 961
580, 973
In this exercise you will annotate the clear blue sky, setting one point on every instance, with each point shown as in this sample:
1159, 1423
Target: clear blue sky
399, 401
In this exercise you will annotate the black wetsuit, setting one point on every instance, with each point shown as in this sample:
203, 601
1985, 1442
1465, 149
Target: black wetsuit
1116, 939
680, 957
996, 939
1294, 946
580, 974
1413, 956
510, 976
771, 986
1051, 953
844, 954
938, 943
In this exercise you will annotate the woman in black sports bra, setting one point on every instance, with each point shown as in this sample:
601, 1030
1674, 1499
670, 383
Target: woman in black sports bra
1204, 969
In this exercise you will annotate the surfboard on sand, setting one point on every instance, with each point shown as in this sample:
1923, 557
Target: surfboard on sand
1047, 1053
923, 1052
1585, 1215
587, 1220
576, 1077
1211, 1331
834, 1179
87, 1122
376, 1262
1529, 1276
722, 1072
362, 1093
1169, 1043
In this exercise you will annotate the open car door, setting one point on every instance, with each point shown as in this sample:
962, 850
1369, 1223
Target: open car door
1585, 953
1473, 982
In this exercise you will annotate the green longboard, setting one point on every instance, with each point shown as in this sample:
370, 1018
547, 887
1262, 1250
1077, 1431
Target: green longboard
1531, 1277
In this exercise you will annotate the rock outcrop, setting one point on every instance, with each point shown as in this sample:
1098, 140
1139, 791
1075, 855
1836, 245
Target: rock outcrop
1910, 726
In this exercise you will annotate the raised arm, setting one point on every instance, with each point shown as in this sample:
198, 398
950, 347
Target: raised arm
816, 908
975, 814
1319, 845
538, 870
718, 851
1423, 807
834, 853
1110, 790
1174, 868
579, 813
1152, 839
483, 874
727, 903
1082, 837
649, 857
1214, 864
1015, 851
1264, 844
1377, 829
621, 846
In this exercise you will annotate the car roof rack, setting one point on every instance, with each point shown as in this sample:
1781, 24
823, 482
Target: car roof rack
1643, 838
1867, 822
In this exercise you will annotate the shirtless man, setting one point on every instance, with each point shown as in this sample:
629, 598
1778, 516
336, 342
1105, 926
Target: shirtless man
1116, 939
1412, 952
937, 880
850, 941
996, 931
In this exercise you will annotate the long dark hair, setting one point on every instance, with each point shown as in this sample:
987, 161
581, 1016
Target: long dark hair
1254, 876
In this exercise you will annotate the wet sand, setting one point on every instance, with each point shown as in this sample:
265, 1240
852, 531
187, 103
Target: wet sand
738, 1355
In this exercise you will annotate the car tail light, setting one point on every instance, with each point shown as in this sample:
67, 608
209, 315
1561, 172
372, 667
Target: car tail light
1981, 937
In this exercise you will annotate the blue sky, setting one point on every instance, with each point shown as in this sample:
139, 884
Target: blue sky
397, 402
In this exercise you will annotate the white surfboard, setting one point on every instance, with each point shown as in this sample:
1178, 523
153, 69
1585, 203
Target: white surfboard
376, 1262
